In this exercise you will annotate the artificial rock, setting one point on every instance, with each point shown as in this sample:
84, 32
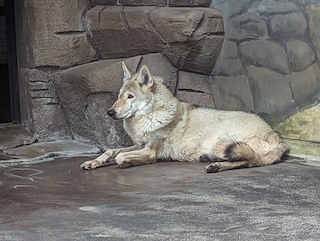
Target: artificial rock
264, 53
232, 93
300, 55
268, 63
190, 38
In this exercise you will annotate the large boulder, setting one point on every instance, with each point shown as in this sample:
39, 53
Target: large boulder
271, 93
190, 38
46, 111
300, 55
287, 26
58, 33
264, 53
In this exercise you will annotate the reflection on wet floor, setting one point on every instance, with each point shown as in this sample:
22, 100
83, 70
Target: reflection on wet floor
24, 173
51, 200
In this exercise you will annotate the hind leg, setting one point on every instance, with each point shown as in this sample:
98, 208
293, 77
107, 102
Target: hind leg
222, 166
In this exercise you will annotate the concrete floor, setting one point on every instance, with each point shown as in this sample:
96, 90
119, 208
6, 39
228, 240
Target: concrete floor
165, 201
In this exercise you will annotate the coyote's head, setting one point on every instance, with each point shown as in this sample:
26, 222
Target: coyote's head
135, 94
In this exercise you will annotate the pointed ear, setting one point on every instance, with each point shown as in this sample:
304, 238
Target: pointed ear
126, 72
145, 77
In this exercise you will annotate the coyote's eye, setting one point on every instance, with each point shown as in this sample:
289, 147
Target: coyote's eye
130, 96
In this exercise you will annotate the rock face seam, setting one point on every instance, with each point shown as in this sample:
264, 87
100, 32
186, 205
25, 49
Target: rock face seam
149, 22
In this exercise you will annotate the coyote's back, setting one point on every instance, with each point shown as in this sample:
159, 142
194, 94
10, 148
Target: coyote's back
162, 127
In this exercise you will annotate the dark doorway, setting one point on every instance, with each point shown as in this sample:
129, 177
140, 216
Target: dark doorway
9, 94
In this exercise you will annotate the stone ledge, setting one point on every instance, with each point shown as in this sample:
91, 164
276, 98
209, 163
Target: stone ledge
46, 151
308, 152
174, 3
14, 135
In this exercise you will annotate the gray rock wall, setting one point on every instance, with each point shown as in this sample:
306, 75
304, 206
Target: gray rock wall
70, 54
269, 62
71, 68
188, 37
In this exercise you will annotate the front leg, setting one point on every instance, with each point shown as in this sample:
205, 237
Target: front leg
136, 158
106, 159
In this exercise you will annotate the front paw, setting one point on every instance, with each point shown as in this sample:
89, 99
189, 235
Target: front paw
213, 167
89, 165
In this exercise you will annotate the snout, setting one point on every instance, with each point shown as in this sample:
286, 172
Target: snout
112, 113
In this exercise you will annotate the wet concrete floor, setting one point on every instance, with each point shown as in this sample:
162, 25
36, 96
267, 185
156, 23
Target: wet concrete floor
165, 201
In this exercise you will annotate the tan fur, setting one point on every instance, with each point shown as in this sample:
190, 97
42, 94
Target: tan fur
162, 127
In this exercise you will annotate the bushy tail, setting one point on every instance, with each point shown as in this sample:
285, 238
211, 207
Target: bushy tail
241, 151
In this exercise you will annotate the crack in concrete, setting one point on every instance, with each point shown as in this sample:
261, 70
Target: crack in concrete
71, 32
192, 90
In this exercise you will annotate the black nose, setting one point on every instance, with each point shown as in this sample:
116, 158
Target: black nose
112, 113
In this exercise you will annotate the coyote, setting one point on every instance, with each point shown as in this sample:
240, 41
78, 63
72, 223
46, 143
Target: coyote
163, 128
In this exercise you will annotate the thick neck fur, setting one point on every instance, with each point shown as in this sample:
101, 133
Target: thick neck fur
159, 112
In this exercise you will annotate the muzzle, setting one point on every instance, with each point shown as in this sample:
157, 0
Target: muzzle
112, 114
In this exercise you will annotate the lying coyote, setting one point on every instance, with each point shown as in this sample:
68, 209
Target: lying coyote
162, 127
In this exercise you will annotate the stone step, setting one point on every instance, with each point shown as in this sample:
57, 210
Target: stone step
46, 151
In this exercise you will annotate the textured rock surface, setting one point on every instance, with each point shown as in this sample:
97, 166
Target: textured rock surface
187, 3
250, 25
194, 89
312, 9
275, 45
268, 64
232, 93
190, 38
64, 41
287, 26
159, 65
12, 136
300, 55
46, 111
263, 53
272, 101
174, 3
227, 58
302, 126
305, 84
